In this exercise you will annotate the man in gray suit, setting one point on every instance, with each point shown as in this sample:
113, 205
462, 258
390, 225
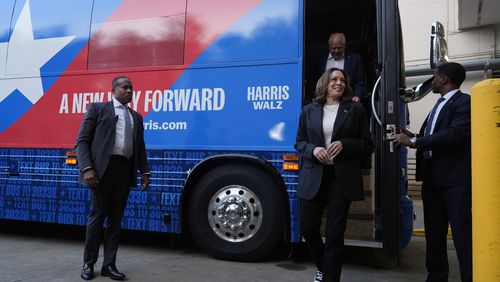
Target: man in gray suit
110, 148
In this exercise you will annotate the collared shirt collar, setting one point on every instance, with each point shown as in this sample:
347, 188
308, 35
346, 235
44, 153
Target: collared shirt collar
450, 94
330, 57
117, 103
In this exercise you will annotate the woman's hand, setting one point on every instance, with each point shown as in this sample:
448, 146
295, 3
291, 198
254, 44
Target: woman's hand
334, 149
321, 154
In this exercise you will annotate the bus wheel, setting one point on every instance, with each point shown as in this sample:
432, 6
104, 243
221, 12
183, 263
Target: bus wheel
236, 213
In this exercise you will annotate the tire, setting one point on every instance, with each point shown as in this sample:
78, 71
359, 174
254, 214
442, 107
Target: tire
236, 213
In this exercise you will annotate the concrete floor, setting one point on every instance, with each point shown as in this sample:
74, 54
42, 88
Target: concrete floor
37, 252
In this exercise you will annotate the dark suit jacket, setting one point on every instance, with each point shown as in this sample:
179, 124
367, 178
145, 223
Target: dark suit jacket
354, 67
351, 128
449, 143
96, 138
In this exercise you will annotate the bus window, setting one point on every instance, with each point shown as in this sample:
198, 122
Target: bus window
157, 40
32, 29
5, 22
268, 25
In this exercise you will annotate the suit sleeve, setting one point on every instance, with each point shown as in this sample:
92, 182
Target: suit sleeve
361, 145
85, 138
358, 78
302, 145
142, 156
454, 135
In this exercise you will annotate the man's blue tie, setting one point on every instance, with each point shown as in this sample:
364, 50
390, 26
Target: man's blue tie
428, 127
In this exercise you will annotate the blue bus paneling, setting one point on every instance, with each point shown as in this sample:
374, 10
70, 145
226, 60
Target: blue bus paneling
37, 185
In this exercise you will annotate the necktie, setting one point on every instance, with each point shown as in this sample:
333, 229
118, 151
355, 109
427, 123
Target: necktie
127, 138
428, 127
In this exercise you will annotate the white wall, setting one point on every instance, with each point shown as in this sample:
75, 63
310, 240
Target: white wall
417, 18
463, 45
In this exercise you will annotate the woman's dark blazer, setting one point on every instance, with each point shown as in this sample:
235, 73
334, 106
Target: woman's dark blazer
350, 128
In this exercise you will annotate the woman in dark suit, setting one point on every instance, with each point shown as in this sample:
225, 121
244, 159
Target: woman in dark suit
332, 140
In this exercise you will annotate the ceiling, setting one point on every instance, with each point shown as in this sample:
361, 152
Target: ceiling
475, 13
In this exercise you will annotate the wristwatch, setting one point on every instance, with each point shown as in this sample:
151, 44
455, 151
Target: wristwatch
413, 141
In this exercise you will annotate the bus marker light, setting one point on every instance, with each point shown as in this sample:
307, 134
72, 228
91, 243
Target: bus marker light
70, 154
291, 157
290, 166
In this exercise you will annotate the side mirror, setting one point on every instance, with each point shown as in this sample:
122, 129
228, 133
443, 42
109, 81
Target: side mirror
439, 47
439, 55
418, 92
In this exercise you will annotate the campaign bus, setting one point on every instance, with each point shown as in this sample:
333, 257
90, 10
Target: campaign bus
220, 85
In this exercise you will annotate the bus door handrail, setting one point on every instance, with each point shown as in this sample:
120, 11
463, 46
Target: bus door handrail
374, 111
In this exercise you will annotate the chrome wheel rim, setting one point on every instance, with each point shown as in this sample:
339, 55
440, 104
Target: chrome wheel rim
235, 213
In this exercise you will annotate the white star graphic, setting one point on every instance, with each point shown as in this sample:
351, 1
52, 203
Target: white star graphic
26, 56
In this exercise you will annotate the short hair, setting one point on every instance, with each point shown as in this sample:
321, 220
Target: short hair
339, 34
322, 86
455, 72
114, 82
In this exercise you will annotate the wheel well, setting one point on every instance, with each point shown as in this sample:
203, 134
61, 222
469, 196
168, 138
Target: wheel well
211, 163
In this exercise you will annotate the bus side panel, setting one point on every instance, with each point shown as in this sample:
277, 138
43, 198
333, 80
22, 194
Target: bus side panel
238, 89
254, 50
206, 109
37, 185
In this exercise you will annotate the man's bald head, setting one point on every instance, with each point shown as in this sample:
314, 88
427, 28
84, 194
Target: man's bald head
336, 45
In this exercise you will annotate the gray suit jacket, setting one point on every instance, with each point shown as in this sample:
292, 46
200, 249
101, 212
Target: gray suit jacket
96, 138
351, 128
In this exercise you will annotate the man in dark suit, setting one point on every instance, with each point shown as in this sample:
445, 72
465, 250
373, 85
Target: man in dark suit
110, 148
350, 62
443, 164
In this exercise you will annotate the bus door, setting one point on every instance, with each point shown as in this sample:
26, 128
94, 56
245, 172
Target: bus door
372, 29
388, 172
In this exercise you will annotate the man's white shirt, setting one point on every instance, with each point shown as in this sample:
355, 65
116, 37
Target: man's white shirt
119, 146
446, 97
332, 63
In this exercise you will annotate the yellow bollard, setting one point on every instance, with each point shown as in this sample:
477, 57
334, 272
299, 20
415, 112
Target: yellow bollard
485, 130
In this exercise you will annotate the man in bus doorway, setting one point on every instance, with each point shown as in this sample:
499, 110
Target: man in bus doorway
350, 62
443, 164
110, 148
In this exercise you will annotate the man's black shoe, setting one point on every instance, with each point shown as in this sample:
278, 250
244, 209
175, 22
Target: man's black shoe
87, 272
111, 272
